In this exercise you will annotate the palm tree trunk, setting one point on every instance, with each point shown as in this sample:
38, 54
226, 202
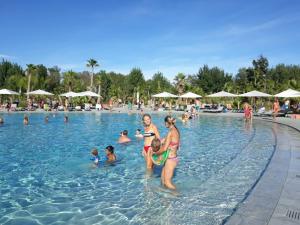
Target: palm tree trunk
92, 79
99, 92
28, 85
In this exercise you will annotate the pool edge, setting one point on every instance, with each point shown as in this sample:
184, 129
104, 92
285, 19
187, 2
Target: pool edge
276, 193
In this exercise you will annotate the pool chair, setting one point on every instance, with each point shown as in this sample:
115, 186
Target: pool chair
218, 110
78, 108
98, 107
87, 107
60, 108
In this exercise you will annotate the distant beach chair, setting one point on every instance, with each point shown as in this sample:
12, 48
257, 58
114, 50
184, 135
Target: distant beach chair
78, 108
98, 107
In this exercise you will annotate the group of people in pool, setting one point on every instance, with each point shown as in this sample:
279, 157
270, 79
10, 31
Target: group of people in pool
156, 150
154, 145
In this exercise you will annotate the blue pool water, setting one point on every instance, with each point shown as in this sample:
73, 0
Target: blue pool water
46, 176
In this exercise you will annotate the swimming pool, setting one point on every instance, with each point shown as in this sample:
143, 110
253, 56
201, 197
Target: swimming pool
46, 178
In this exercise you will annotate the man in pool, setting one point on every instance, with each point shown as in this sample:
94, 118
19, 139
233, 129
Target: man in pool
1, 120
124, 137
66, 119
95, 157
110, 155
151, 132
26, 120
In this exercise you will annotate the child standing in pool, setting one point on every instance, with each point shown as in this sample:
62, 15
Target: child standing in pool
95, 157
155, 146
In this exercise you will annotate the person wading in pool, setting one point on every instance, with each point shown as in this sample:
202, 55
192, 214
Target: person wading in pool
151, 132
171, 144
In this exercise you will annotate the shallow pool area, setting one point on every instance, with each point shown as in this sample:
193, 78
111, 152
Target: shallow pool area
46, 176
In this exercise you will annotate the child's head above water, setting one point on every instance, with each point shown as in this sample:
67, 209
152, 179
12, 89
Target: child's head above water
138, 131
94, 152
155, 144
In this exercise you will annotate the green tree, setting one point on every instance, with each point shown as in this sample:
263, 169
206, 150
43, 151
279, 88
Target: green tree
52, 81
260, 72
72, 82
159, 83
105, 83
135, 81
212, 80
92, 63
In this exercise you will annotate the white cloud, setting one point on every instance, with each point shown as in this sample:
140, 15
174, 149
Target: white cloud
7, 56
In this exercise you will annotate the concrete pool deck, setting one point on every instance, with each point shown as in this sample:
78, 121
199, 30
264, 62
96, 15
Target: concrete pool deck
275, 199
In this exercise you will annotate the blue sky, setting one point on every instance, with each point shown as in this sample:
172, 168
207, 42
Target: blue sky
169, 36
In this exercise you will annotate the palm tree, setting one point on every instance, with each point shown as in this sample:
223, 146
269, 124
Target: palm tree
92, 63
180, 83
29, 71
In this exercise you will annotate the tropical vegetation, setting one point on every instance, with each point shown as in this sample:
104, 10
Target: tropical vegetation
260, 76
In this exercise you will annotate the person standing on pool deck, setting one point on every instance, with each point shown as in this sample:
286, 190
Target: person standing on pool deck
276, 108
151, 132
171, 143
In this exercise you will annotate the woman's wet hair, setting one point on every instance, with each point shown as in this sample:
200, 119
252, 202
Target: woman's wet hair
110, 149
171, 121
125, 132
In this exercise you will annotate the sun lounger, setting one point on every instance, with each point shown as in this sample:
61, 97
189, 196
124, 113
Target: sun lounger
98, 107
218, 110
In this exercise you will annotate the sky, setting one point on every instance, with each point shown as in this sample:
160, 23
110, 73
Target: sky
169, 36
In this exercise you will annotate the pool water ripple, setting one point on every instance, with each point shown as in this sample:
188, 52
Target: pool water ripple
46, 175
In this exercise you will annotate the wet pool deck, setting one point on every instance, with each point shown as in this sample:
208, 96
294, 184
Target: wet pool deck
275, 200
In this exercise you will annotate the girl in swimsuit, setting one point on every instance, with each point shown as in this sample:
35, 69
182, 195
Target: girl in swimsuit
151, 132
171, 143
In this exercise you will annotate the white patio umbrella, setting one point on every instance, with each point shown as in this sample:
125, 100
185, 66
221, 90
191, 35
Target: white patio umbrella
70, 94
165, 95
190, 95
8, 92
88, 94
255, 94
39, 92
221, 94
289, 93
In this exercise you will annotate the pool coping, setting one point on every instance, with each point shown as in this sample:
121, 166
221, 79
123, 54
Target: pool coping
275, 198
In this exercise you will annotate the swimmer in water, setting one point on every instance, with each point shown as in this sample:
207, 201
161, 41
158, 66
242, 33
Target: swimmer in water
46, 119
26, 120
1, 120
110, 155
138, 133
124, 137
95, 157
66, 119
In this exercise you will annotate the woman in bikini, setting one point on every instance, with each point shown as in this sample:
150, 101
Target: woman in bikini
171, 144
151, 132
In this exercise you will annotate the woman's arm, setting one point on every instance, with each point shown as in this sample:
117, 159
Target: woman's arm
155, 130
165, 145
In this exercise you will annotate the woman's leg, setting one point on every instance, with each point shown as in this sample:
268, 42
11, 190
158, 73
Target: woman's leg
169, 172
162, 177
149, 163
